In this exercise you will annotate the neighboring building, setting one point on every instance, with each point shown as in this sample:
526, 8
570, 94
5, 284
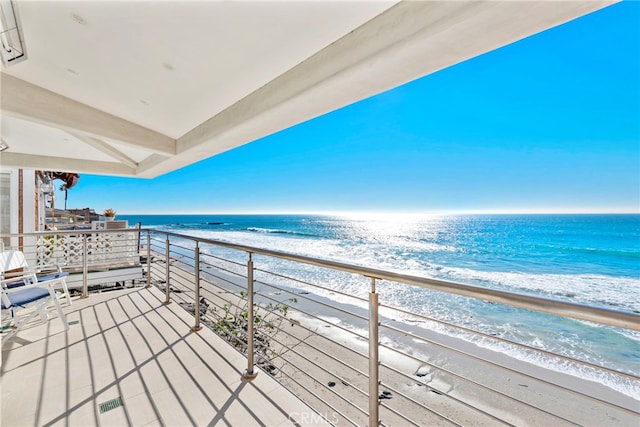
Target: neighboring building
59, 218
27, 203
85, 215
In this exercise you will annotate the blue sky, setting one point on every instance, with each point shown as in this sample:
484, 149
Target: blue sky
548, 124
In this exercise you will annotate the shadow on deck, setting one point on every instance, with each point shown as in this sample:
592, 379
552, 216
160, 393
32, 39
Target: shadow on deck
129, 360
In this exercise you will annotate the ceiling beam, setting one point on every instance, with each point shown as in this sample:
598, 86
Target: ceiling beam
34, 103
146, 166
106, 149
406, 42
61, 164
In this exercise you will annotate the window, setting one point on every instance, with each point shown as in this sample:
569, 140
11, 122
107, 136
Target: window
5, 206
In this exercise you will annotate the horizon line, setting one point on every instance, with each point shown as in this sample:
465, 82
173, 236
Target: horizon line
400, 213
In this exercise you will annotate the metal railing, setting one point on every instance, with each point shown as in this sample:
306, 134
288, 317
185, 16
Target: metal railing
349, 360
231, 269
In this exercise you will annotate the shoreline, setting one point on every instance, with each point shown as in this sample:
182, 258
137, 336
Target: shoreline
493, 348
617, 348
417, 379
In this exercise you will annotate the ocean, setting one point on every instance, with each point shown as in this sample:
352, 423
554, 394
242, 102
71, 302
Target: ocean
587, 259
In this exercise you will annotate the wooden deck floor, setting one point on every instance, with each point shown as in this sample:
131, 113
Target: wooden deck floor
129, 360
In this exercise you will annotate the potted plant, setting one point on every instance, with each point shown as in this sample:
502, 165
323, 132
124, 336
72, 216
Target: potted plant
109, 214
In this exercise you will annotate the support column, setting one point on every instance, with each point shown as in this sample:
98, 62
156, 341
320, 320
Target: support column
85, 267
250, 373
374, 361
167, 256
196, 307
148, 260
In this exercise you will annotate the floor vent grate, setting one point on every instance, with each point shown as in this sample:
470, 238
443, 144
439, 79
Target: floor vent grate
111, 404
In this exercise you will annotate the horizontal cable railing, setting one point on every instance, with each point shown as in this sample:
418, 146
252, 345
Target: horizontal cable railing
300, 351
353, 361
577, 311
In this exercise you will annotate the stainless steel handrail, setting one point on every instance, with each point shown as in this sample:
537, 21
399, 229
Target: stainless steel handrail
577, 311
600, 315
192, 278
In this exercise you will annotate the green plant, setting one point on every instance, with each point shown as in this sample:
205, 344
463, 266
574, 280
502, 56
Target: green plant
109, 213
231, 324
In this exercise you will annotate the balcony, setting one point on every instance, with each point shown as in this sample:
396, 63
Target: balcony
127, 359
146, 352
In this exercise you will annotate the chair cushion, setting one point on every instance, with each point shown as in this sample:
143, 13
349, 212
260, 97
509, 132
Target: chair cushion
25, 296
17, 283
52, 276
21, 281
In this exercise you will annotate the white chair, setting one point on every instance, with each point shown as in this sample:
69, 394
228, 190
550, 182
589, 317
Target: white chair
15, 272
40, 296
24, 289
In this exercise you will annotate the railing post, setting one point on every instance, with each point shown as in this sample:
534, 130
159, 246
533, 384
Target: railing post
249, 374
167, 249
196, 279
374, 361
85, 267
148, 260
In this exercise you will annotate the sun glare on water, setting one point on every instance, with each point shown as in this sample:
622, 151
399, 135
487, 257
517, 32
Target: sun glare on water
394, 229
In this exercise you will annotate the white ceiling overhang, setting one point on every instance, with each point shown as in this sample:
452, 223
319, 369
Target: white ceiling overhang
136, 88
